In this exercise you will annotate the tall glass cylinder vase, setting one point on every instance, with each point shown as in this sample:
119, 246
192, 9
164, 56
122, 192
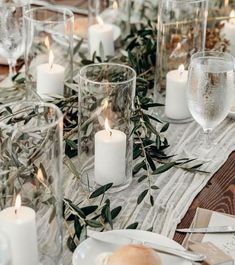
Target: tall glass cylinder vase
221, 26
181, 32
106, 95
49, 50
30, 182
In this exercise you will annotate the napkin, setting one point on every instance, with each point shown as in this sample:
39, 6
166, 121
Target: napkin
207, 218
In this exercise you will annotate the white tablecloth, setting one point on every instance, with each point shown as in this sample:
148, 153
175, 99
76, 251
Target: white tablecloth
178, 188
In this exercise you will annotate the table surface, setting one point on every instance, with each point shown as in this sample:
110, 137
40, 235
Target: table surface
218, 195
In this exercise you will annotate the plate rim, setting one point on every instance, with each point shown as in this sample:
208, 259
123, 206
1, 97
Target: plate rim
231, 114
118, 231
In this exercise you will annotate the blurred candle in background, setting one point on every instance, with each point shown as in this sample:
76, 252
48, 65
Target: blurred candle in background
176, 106
101, 34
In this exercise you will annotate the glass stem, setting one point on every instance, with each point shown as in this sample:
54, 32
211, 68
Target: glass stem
208, 140
12, 67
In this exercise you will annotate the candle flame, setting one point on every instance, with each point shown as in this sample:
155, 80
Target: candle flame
226, 2
47, 42
107, 127
40, 175
232, 17
51, 58
17, 203
115, 5
105, 104
177, 25
178, 47
181, 70
100, 20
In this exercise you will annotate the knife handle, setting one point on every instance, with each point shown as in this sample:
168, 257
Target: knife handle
180, 253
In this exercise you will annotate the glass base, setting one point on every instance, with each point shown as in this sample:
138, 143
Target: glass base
88, 182
160, 111
176, 121
7, 82
49, 261
197, 148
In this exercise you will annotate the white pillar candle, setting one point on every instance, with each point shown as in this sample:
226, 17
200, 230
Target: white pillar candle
19, 225
176, 106
50, 78
110, 156
229, 32
101, 34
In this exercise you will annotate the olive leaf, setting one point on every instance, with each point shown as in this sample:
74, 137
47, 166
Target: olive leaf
71, 244
101, 190
142, 196
132, 226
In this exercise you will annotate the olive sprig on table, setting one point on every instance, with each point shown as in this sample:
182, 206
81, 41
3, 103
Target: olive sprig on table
150, 144
150, 151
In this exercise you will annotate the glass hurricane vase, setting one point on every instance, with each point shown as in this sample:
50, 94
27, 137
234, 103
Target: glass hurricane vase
49, 50
30, 172
182, 31
114, 12
106, 94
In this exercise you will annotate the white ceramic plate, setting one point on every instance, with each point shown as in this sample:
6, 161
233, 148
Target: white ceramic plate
88, 250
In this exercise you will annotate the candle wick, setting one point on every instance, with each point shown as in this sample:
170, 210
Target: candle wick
15, 211
110, 133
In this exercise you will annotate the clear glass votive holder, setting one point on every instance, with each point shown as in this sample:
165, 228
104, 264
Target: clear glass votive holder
48, 50
30, 181
107, 19
105, 144
181, 33
113, 11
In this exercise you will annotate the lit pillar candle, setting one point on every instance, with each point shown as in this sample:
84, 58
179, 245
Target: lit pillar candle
229, 32
19, 225
176, 106
50, 77
101, 34
110, 156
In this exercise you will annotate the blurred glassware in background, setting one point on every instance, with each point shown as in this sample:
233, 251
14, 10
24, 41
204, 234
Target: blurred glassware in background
12, 35
116, 12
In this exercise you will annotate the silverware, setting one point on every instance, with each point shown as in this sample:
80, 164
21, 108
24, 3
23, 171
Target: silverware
212, 229
124, 240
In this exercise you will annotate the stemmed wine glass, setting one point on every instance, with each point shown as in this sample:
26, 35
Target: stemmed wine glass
209, 93
12, 36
